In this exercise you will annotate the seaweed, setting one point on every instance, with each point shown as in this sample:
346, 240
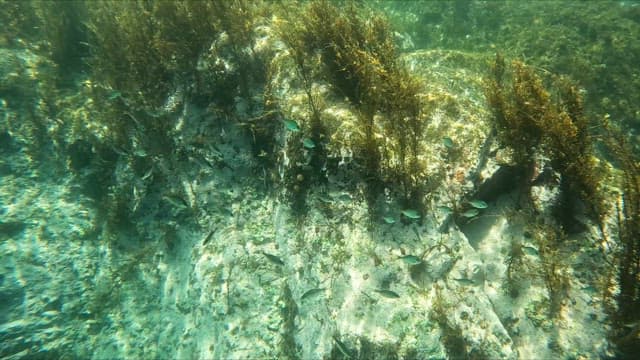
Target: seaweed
64, 37
360, 59
20, 23
145, 49
146, 60
305, 66
288, 312
627, 256
452, 337
534, 123
555, 271
516, 270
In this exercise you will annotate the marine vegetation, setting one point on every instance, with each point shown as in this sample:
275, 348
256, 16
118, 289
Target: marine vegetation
555, 271
627, 256
538, 123
60, 38
452, 336
516, 269
592, 42
146, 60
145, 49
360, 60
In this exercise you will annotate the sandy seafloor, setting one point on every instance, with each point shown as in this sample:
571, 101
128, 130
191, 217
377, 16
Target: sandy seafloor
230, 271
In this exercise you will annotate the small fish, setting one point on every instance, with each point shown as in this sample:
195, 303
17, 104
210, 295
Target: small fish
342, 347
465, 281
325, 199
529, 250
114, 95
410, 259
411, 214
445, 209
176, 201
387, 293
470, 213
341, 196
389, 220
291, 125
273, 259
208, 238
447, 142
311, 293
632, 324
478, 204
308, 143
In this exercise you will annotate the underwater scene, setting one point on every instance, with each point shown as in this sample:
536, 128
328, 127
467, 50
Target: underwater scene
245, 179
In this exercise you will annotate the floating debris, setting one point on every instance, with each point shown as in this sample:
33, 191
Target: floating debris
387, 293
311, 293
411, 214
470, 213
478, 204
530, 250
445, 209
389, 220
465, 282
308, 143
447, 142
273, 259
291, 125
411, 259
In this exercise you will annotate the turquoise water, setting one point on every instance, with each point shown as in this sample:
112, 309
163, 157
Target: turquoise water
311, 180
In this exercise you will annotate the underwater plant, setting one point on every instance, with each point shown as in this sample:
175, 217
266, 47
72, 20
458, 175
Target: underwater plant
360, 60
516, 269
533, 123
147, 59
626, 258
554, 268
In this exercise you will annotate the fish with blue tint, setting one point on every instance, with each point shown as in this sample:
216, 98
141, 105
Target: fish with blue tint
411, 214
291, 125
114, 95
308, 143
311, 293
389, 220
465, 282
342, 348
478, 204
387, 293
530, 250
273, 259
410, 259
470, 213
445, 209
